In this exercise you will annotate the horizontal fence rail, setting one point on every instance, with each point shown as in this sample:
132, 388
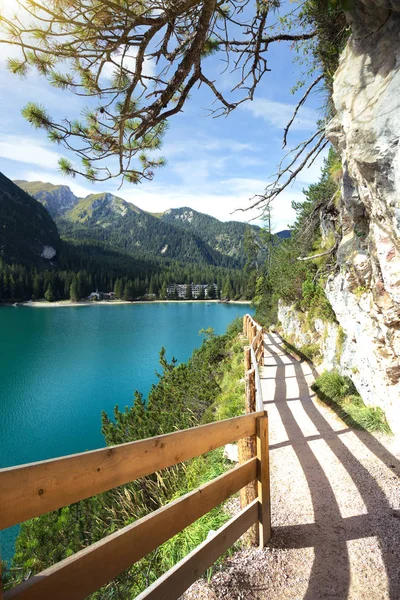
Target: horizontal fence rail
171, 585
35, 489
32, 490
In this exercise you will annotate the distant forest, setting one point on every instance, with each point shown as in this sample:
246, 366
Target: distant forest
82, 269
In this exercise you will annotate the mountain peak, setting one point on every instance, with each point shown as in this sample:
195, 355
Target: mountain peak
58, 199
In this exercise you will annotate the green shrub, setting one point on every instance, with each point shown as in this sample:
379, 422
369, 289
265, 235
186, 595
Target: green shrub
206, 388
341, 336
340, 393
310, 351
334, 385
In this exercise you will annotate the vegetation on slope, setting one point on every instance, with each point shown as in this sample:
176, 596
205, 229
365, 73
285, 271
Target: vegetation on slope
226, 238
57, 199
340, 393
25, 226
286, 275
91, 262
121, 225
205, 388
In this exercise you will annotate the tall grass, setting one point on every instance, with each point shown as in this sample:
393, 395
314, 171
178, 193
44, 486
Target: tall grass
340, 393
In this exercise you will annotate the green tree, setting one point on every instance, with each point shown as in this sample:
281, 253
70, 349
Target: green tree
58, 46
37, 286
74, 290
119, 288
49, 294
163, 291
129, 290
188, 293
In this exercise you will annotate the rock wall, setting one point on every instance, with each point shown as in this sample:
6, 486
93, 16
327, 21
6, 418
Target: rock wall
350, 347
365, 290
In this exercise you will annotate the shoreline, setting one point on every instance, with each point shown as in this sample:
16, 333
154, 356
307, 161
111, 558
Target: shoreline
68, 303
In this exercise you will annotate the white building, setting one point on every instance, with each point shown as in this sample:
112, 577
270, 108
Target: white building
181, 289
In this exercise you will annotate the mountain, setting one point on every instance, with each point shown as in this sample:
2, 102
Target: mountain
111, 220
224, 237
284, 234
28, 234
58, 199
179, 234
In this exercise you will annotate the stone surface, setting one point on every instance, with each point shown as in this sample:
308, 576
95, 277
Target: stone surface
231, 452
365, 292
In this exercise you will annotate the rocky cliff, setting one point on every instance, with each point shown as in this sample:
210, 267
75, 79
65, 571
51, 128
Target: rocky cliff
365, 289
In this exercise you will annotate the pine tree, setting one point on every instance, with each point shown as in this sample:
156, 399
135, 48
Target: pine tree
74, 290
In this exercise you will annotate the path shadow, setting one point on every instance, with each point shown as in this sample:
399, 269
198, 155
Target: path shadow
329, 534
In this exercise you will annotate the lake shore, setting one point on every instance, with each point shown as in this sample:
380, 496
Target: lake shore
66, 303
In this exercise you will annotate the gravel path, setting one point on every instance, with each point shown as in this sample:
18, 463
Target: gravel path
335, 496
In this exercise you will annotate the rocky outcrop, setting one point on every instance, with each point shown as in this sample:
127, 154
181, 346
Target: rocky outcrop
57, 199
365, 292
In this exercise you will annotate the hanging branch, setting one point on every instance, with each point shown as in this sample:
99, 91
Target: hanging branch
299, 104
140, 61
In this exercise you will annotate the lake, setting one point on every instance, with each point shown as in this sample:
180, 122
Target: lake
60, 367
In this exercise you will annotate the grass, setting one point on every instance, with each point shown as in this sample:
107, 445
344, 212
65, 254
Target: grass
228, 403
305, 352
341, 337
340, 393
310, 351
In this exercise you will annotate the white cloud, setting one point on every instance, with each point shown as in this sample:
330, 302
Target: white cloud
279, 114
195, 144
28, 150
223, 199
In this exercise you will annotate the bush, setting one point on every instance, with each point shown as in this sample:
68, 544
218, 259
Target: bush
310, 351
208, 384
335, 386
340, 393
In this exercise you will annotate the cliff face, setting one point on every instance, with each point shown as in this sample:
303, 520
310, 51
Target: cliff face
365, 290
365, 294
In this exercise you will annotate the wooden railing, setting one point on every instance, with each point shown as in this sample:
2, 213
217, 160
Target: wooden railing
253, 359
35, 489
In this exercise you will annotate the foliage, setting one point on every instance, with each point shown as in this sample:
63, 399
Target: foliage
310, 351
328, 18
286, 276
26, 227
315, 302
340, 393
102, 53
341, 337
180, 399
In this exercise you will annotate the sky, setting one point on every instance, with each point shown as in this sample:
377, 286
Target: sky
214, 166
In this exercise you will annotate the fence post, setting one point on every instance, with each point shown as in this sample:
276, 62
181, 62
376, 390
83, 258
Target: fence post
250, 379
264, 499
247, 448
244, 324
247, 358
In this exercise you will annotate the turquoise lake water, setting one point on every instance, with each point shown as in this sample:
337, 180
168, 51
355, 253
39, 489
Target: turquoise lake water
60, 367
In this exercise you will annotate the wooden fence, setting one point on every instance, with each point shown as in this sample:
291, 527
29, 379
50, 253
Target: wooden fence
253, 359
35, 489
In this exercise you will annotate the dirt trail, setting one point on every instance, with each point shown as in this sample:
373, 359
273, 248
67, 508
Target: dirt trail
335, 495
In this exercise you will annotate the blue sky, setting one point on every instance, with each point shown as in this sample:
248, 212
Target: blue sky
213, 165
